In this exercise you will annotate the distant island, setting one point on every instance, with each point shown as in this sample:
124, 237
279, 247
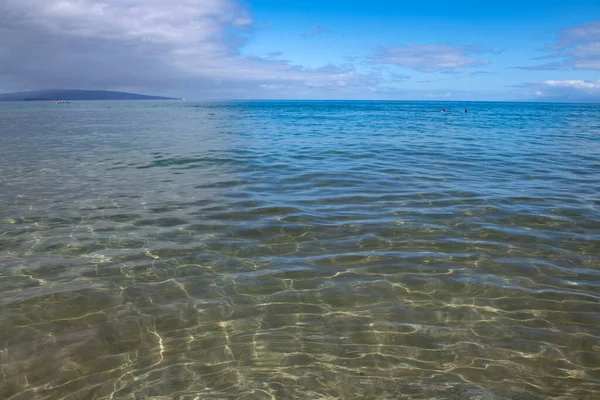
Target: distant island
72, 94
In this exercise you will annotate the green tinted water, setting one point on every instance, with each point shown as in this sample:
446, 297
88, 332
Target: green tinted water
310, 250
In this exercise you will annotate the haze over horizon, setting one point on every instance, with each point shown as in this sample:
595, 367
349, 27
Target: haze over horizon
259, 49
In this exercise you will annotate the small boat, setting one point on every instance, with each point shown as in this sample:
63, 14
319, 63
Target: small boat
63, 102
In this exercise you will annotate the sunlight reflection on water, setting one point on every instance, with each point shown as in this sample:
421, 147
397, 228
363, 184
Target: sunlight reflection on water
345, 250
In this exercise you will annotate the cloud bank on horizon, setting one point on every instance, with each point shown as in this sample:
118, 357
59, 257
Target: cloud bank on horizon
234, 49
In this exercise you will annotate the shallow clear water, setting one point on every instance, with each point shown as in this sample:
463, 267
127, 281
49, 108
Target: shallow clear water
310, 250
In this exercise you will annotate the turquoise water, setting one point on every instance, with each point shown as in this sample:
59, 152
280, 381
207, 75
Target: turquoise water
299, 250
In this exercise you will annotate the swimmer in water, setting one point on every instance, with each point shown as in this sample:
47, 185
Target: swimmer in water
443, 110
466, 110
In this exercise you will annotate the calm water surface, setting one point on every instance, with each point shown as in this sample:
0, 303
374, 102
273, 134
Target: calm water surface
299, 250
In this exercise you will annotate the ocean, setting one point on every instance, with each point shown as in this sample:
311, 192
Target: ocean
299, 250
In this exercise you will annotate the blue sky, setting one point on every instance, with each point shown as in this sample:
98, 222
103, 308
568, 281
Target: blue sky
463, 50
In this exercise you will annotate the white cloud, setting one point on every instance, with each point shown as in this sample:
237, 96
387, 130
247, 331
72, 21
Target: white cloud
564, 90
576, 84
187, 47
265, 86
440, 95
582, 46
578, 47
181, 24
586, 33
431, 57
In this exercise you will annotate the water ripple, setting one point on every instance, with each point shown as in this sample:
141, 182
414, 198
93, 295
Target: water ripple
322, 250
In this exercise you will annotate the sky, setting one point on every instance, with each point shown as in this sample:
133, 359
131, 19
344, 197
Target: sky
527, 50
